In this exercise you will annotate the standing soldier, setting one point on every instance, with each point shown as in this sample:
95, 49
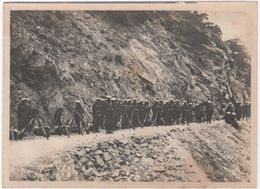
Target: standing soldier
209, 111
246, 110
196, 113
177, 112
108, 114
117, 114
161, 110
79, 116
23, 113
238, 110
125, 119
185, 113
97, 114
57, 119
168, 112
190, 112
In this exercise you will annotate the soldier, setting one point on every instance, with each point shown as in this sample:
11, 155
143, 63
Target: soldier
167, 114
97, 115
117, 114
177, 112
131, 113
190, 112
197, 112
135, 116
161, 110
246, 110
185, 113
238, 110
108, 114
79, 116
23, 113
57, 119
125, 114
230, 118
209, 111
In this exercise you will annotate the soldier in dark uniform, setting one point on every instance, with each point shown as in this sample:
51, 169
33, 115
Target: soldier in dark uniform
142, 113
230, 116
57, 119
23, 113
160, 117
125, 117
190, 112
246, 110
118, 108
178, 112
209, 111
79, 116
238, 110
196, 113
137, 105
168, 112
97, 115
108, 114
131, 113
185, 113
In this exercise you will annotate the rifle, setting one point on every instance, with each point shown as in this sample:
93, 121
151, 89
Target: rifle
31, 122
146, 115
130, 121
155, 118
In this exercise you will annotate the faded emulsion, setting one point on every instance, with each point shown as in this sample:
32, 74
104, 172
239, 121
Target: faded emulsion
127, 96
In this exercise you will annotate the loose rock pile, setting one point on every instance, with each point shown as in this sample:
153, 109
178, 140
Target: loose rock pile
138, 159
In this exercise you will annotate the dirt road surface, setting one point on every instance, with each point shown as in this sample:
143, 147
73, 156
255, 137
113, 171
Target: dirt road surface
199, 152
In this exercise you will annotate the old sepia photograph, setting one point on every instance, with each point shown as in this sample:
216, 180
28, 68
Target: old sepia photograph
158, 96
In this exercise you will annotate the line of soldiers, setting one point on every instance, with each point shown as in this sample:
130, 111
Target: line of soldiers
112, 114
29, 119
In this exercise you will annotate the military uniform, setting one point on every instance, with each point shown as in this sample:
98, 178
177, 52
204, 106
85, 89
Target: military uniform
23, 113
209, 111
97, 114
78, 117
57, 119
185, 113
238, 110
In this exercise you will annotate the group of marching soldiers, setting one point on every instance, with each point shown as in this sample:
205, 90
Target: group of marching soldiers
111, 114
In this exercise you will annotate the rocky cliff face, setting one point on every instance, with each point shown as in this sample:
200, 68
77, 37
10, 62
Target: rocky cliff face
61, 56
